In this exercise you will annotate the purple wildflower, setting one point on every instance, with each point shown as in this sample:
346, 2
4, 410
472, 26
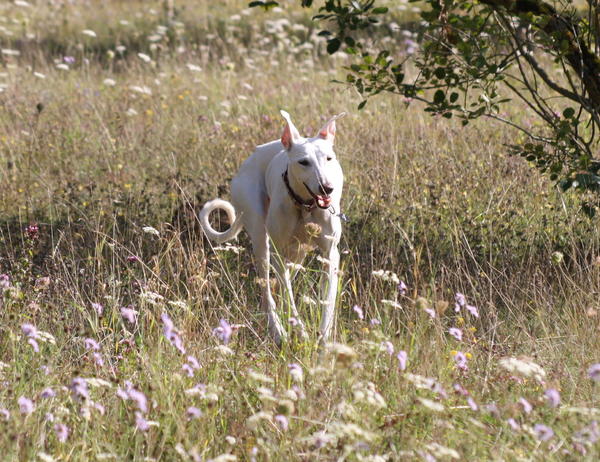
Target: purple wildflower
139, 398
34, 344
588, 434
296, 372
191, 366
193, 412
431, 312
282, 422
100, 408
293, 321
458, 388
375, 322
171, 333
552, 397
69, 59
513, 424
402, 359
527, 407
193, 362
543, 432
389, 347
122, 394
98, 359
79, 388
47, 393
473, 310
29, 330
141, 423
460, 300
32, 232
594, 372
49, 417
402, 288
98, 308
4, 282
91, 344
5, 413
62, 432
472, 404
26, 406
438, 389
461, 360
456, 333
359, 312
129, 314
133, 259
223, 332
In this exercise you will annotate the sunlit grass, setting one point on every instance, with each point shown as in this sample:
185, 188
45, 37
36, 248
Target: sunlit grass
126, 335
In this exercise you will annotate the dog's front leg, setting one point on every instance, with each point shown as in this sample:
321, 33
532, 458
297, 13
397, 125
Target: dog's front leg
285, 280
261, 255
329, 287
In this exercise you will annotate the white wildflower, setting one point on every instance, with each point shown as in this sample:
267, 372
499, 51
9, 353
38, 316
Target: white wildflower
224, 458
254, 420
131, 112
442, 452
259, 377
524, 367
109, 82
387, 276
150, 230
144, 57
431, 405
193, 67
96, 382
365, 392
341, 352
392, 303
141, 89
89, 33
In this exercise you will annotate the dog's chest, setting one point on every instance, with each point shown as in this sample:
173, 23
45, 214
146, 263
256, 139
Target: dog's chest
305, 235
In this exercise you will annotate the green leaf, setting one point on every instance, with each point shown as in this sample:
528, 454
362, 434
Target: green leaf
333, 45
453, 97
568, 112
439, 97
380, 10
264, 5
362, 104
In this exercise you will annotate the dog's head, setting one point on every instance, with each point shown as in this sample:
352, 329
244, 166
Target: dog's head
313, 169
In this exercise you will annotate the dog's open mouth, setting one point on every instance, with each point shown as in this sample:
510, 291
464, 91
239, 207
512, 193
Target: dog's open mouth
323, 201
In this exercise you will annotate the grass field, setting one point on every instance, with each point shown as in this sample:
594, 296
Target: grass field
118, 120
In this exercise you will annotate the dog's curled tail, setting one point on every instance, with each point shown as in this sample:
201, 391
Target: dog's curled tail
213, 234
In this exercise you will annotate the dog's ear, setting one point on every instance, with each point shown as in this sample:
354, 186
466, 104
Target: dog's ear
290, 132
328, 130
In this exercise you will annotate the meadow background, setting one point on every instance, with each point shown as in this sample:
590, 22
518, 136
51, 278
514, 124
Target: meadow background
119, 119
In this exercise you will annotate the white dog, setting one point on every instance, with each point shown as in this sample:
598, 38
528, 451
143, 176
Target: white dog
288, 191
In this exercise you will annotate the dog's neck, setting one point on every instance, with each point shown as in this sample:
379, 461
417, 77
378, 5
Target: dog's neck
305, 204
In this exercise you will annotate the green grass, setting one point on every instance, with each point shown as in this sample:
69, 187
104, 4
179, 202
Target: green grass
440, 205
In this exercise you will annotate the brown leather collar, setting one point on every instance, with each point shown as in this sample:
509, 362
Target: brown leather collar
307, 205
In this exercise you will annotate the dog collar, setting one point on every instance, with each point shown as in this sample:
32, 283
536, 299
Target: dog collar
306, 205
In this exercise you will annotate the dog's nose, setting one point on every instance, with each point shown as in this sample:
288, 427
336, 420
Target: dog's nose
326, 189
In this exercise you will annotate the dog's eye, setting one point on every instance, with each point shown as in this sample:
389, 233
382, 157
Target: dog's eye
329, 158
304, 162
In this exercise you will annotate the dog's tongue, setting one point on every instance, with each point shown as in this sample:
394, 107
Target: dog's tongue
323, 201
